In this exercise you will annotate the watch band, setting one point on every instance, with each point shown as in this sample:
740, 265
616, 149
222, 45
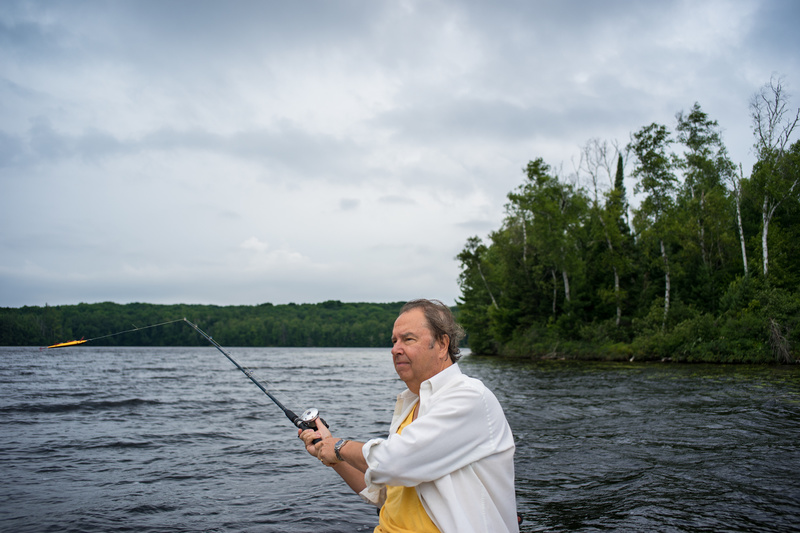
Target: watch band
337, 448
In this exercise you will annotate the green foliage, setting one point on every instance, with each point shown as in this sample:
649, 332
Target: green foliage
565, 277
331, 323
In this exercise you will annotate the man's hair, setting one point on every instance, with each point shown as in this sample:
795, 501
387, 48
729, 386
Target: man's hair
441, 322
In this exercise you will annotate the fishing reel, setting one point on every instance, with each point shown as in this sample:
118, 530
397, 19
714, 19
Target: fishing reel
308, 420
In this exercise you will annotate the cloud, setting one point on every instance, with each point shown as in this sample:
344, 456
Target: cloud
255, 244
304, 151
396, 199
349, 204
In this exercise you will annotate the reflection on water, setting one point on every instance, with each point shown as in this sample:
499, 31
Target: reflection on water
176, 439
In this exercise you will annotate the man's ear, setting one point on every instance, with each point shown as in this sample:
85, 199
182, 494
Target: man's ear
446, 344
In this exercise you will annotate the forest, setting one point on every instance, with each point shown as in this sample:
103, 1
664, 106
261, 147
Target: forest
703, 267
327, 324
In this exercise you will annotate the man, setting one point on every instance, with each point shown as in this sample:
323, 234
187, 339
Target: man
448, 463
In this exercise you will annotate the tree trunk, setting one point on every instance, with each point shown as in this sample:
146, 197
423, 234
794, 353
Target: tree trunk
666, 285
702, 229
486, 284
566, 284
765, 217
616, 294
555, 290
737, 195
616, 273
741, 234
524, 242
767, 212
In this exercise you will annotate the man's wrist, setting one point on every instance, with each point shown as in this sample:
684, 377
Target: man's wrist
337, 448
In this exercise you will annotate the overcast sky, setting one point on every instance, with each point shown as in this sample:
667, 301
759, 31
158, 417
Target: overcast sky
302, 151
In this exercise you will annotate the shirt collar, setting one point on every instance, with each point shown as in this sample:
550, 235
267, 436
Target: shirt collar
433, 384
440, 380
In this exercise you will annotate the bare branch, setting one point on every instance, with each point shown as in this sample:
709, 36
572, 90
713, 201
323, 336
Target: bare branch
598, 160
772, 121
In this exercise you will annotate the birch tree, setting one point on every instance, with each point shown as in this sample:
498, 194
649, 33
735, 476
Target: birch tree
705, 206
656, 179
736, 182
555, 210
702, 164
471, 258
477, 296
597, 160
773, 126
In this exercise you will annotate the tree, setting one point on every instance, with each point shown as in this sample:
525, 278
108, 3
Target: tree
477, 297
705, 202
654, 170
555, 210
773, 125
736, 182
619, 201
701, 164
596, 161
471, 258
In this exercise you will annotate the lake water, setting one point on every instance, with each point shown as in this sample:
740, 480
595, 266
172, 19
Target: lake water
176, 439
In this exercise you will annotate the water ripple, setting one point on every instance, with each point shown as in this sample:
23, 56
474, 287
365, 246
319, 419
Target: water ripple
175, 439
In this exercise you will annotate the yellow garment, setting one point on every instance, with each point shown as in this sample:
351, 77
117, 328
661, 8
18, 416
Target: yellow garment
403, 512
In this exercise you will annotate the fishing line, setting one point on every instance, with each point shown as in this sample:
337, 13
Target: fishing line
136, 328
308, 420
305, 421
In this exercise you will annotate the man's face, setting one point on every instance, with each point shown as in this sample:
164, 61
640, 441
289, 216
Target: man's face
416, 356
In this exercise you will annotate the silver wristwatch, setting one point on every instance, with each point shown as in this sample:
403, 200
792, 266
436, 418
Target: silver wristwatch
337, 448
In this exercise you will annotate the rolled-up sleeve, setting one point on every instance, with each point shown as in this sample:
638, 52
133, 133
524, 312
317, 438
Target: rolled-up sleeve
458, 454
453, 433
373, 493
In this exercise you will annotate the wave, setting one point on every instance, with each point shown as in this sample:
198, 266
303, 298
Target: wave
152, 509
88, 405
117, 444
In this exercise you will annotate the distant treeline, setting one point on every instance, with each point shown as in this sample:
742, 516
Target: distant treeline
328, 324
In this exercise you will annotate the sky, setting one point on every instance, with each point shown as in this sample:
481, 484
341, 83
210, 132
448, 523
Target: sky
237, 153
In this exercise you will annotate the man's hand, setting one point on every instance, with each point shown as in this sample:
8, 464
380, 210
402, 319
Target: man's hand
322, 450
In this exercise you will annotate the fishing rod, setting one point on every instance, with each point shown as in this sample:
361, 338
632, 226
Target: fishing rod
308, 420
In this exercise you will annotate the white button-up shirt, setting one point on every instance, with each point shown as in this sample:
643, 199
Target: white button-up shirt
458, 453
